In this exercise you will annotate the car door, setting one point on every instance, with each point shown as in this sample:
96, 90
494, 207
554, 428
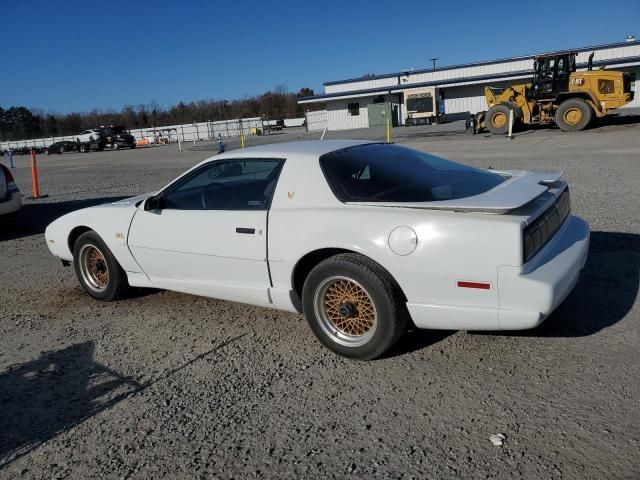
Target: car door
209, 234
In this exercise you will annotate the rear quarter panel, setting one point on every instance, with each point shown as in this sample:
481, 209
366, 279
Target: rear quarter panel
305, 216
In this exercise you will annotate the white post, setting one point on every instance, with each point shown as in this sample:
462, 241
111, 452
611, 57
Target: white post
179, 144
510, 123
323, 132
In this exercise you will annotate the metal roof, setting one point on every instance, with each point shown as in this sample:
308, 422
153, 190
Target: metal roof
453, 81
475, 64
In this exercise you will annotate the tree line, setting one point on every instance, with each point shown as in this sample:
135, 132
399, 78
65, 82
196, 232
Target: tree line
21, 123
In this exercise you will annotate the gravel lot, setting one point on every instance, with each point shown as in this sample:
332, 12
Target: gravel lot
165, 384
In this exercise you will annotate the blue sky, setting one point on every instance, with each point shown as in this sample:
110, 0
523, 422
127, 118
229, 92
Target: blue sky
73, 55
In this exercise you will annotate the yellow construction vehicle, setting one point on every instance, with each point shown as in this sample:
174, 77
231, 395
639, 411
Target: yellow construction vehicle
558, 93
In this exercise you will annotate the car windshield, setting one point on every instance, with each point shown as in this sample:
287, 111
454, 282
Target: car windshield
390, 173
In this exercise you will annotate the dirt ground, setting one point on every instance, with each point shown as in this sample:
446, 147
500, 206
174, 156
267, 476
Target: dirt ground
169, 385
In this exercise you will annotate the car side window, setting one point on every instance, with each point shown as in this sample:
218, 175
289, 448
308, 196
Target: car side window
246, 184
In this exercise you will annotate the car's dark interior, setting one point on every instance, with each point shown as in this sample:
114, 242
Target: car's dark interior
390, 173
227, 187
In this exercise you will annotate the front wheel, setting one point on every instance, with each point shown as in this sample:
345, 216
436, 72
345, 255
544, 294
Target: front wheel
98, 272
497, 119
354, 307
573, 115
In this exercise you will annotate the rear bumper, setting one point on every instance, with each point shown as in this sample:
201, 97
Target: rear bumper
11, 204
528, 294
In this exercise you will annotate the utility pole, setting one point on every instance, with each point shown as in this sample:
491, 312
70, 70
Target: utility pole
434, 61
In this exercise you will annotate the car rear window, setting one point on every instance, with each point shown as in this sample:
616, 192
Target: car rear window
390, 173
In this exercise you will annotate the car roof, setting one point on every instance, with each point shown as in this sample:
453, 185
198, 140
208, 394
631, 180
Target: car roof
307, 149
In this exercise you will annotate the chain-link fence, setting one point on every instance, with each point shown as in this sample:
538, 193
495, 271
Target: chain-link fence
188, 132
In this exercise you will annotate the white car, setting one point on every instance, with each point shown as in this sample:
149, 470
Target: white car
88, 136
10, 196
361, 237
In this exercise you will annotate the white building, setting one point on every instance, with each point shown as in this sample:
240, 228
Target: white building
458, 89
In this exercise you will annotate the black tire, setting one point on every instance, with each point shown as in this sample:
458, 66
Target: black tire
382, 300
115, 285
116, 146
497, 119
573, 115
84, 148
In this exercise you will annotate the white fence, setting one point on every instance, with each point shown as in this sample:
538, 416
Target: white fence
190, 132
187, 132
316, 120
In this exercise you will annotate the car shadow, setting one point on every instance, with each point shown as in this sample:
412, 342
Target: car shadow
605, 293
33, 218
414, 339
44, 397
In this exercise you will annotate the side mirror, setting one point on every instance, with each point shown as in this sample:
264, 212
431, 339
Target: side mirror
153, 203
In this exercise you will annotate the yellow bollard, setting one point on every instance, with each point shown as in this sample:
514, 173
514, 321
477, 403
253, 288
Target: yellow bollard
241, 135
388, 130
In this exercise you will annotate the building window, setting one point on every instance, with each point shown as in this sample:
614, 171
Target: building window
354, 109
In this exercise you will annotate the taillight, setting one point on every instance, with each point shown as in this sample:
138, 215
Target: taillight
545, 227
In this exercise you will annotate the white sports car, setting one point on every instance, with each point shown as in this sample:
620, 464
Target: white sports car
361, 237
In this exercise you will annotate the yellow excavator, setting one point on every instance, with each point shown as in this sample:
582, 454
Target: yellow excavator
558, 94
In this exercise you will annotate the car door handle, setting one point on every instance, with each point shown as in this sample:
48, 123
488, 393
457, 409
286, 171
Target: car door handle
249, 231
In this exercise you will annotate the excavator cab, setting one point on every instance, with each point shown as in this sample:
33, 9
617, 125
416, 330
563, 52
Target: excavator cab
551, 74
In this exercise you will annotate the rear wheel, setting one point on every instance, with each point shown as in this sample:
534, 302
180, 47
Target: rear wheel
497, 119
98, 272
84, 148
573, 115
353, 306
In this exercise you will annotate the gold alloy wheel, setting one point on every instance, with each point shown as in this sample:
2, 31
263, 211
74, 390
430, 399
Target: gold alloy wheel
93, 266
345, 311
498, 119
572, 116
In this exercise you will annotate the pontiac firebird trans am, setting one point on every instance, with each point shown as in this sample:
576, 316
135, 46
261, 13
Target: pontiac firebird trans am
363, 238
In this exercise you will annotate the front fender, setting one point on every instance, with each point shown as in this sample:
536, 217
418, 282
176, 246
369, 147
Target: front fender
111, 222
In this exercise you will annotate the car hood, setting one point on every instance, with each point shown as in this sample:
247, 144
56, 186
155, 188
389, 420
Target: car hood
133, 201
520, 188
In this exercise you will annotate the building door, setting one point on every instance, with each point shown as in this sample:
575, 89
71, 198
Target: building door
395, 115
379, 113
